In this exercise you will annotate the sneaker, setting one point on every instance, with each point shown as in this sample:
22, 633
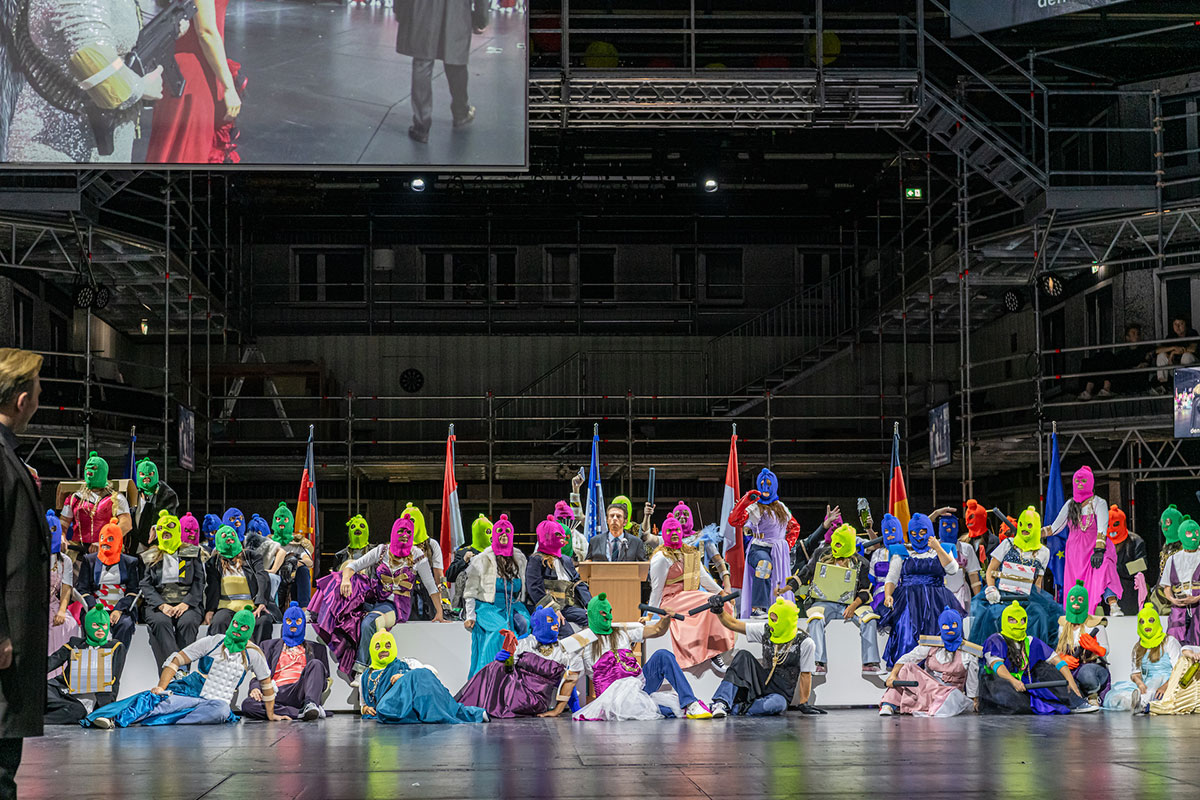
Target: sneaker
465, 119
1115, 611
870, 669
486, 717
1085, 709
758, 613
1085, 395
310, 712
886, 710
719, 663
696, 710
1158, 389
820, 670
104, 723
1104, 393
719, 709
357, 682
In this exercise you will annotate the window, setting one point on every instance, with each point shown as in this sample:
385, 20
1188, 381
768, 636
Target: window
1181, 139
813, 268
504, 275
468, 275
335, 276
721, 272
465, 275
598, 274
685, 274
559, 278
1100, 316
22, 330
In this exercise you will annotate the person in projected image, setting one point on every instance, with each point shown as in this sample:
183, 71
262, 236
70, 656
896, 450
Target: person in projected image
429, 31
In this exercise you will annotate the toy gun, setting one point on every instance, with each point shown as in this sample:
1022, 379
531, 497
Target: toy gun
1005, 521
650, 487
715, 603
155, 47
661, 612
864, 544
1056, 684
507, 653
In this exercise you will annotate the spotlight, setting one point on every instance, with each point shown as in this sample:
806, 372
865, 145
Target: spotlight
84, 295
1052, 285
710, 185
417, 184
1014, 301
103, 295
145, 327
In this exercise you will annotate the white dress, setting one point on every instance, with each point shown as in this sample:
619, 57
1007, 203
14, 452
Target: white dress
625, 698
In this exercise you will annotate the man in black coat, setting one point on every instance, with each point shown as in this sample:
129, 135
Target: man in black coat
24, 570
429, 31
618, 544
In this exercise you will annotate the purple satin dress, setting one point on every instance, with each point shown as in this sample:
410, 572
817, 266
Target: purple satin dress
525, 689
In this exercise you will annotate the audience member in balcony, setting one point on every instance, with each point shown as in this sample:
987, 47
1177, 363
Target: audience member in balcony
763, 516
621, 543
915, 592
92, 506
433, 552
1131, 562
1155, 654
1015, 573
1180, 580
1107, 367
1088, 553
153, 496
495, 591
553, 582
1182, 354
1083, 645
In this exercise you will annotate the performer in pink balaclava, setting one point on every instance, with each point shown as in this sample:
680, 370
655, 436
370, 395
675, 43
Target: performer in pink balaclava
1090, 556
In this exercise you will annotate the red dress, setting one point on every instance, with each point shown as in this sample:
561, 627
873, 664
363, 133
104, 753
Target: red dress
183, 128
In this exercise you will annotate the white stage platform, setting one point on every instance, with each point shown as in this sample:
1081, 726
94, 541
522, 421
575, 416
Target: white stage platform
447, 647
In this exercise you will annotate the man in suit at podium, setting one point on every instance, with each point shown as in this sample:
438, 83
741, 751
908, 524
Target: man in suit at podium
619, 544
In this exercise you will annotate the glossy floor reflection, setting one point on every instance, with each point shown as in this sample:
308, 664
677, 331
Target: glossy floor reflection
844, 754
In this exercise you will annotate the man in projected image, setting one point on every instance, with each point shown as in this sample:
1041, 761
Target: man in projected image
435, 30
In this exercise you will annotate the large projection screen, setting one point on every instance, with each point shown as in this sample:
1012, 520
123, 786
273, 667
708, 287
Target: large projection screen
330, 84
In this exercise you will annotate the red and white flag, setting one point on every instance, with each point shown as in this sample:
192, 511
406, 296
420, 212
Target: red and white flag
734, 551
452, 529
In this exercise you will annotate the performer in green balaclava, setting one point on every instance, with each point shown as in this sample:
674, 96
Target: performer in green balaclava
147, 476
240, 630
96, 624
599, 612
481, 533
228, 545
95, 471
358, 532
283, 525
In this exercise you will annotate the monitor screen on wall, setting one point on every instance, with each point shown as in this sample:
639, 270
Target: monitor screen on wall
404, 84
1187, 402
939, 436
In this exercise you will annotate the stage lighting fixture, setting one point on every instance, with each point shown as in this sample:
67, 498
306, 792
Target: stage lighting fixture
145, 327
710, 185
1052, 285
1014, 301
102, 296
85, 295
417, 184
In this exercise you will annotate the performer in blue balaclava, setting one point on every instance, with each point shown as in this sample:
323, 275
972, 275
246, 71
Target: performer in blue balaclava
914, 590
881, 558
299, 669
945, 669
208, 531
235, 519
763, 516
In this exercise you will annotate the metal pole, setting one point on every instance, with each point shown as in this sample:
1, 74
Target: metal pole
932, 321
629, 442
349, 450
770, 443
491, 465
904, 308
166, 410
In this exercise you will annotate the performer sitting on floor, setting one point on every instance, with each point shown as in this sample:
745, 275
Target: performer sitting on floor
1154, 656
92, 676
841, 588
528, 681
915, 591
679, 583
764, 687
234, 578
203, 696
456, 573
1089, 554
763, 516
405, 691
1180, 582
495, 594
299, 670
945, 669
553, 582
1012, 660
624, 689
110, 579
1015, 572
385, 597
1083, 645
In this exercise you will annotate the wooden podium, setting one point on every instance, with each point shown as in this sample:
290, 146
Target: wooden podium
621, 581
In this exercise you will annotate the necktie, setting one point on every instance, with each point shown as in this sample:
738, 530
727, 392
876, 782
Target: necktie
615, 545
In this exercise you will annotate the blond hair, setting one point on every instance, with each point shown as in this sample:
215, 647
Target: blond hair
18, 370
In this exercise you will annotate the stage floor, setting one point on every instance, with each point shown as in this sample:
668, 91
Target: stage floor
847, 754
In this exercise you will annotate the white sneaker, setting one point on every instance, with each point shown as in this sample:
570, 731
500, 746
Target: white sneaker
104, 723
486, 718
357, 682
718, 710
1104, 393
696, 710
1085, 395
885, 710
1088, 709
719, 664
310, 712
1115, 611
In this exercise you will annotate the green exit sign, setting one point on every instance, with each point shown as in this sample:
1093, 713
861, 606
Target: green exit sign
914, 193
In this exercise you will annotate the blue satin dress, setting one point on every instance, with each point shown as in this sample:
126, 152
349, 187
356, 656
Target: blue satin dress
418, 696
917, 601
506, 611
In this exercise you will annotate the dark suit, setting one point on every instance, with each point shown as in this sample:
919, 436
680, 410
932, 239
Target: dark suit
168, 635
139, 538
631, 548
291, 699
25, 587
88, 585
1133, 548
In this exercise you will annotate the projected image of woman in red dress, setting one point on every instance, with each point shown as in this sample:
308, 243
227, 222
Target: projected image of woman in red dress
197, 128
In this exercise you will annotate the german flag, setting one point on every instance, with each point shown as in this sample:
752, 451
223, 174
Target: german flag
897, 496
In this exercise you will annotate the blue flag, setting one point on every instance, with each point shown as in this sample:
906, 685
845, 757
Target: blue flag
131, 460
594, 512
1050, 510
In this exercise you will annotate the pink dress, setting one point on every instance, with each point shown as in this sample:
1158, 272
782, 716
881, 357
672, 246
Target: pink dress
699, 638
1081, 542
931, 697
59, 634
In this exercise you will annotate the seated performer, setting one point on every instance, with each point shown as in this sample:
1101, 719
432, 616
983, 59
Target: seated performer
915, 591
208, 532
433, 551
299, 670
172, 587
404, 691
624, 689
1013, 660
946, 672
385, 595
495, 593
1180, 582
256, 538
295, 574
1154, 656
1015, 572
234, 578
92, 671
553, 582
110, 579
763, 516
153, 496
189, 530
894, 546
527, 682
358, 535
1131, 562
203, 697
840, 587
678, 583
1083, 644
765, 687
456, 573
1168, 523
92, 506
575, 541
963, 584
